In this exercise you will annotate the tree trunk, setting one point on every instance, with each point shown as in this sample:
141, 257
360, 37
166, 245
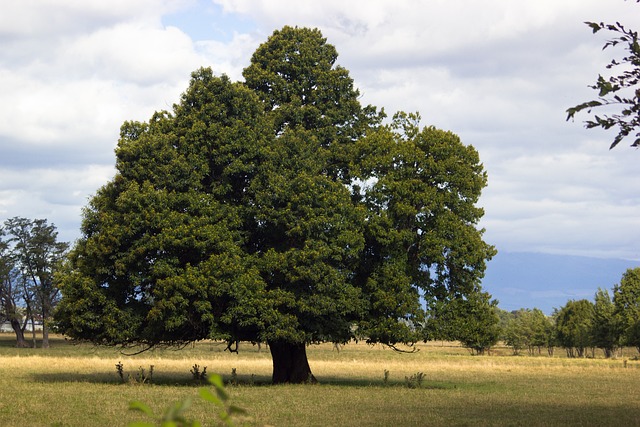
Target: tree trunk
45, 334
20, 341
290, 364
33, 332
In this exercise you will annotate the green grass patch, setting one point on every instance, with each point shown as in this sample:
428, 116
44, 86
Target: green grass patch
78, 385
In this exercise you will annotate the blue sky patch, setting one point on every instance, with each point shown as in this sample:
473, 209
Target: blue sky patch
204, 20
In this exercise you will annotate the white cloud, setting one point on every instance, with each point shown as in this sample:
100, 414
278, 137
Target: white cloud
57, 195
134, 53
56, 18
71, 72
571, 202
231, 57
76, 91
499, 73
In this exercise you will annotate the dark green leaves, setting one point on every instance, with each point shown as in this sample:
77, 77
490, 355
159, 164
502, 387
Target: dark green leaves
294, 73
619, 96
174, 415
276, 210
422, 240
626, 299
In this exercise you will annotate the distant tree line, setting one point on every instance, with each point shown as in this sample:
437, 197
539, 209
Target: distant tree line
608, 323
29, 256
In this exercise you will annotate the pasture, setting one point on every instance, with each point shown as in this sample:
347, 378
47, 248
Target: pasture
71, 385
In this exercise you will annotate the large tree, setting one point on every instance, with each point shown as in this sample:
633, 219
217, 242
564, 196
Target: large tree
277, 210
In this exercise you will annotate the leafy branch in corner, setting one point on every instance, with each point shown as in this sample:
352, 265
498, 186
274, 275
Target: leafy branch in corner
618, 93
174, 415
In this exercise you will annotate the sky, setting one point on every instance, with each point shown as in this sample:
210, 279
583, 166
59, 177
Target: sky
499, 73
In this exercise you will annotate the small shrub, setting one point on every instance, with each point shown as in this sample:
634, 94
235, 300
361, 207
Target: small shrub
197, 375
144, 377
140, 378
415, 380
234, 376
120, 370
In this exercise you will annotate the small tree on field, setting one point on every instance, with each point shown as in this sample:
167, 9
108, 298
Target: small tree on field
37, 254
626, 301
518, 332
473, 321
11, 291
541, 331
606, 328
528, 329
574, 327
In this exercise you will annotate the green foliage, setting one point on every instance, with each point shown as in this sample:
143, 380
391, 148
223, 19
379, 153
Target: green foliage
606, 327
472, 320
415, 380
31, 257
619, 93
276, 210
574, 327
607, 323
142, 376
13, 288
296, 76
421, 234
197, 374
626, 300
528, 329
174, 415
120, 370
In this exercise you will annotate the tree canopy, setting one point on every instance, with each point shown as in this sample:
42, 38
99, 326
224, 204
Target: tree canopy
574, 326
276, 209
606, 331
626, 300
530, 329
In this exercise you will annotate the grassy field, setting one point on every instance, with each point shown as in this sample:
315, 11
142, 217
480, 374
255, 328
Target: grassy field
79, 385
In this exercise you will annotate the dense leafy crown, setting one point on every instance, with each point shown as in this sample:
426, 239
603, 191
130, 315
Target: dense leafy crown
276, 209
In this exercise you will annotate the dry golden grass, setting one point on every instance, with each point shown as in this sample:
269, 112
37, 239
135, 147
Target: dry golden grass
79, 386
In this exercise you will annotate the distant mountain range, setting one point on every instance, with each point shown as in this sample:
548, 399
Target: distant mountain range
544, 281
